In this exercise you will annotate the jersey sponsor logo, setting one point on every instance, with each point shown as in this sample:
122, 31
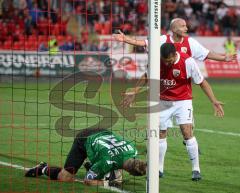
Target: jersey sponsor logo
168, 83
184, 49
176, 72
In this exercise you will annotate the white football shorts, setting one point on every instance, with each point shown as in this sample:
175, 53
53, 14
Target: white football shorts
180, 111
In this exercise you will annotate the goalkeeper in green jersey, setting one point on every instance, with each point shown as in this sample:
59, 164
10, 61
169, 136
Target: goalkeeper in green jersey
106, 152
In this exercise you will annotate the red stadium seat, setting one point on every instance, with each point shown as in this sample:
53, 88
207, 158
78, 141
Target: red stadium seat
7, 45
60, 38
22, 38
69, 38
27, 45
9, 38
32, 38
43, 38
35, 46
98, 27
16, 46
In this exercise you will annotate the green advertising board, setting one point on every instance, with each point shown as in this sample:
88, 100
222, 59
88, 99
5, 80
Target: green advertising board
28, 63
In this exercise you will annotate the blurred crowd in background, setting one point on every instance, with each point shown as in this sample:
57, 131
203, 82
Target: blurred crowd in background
76, 24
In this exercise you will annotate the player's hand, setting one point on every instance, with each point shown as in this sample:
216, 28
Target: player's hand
218, 109
230, 57
128, 99
120, 36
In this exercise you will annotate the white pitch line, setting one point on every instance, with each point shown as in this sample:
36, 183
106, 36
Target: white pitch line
197, 129
115, 189
219, 132
19, 167
13, 166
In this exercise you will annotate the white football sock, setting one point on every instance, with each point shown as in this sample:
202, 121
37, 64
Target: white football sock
192, 149
162, 152
43, 170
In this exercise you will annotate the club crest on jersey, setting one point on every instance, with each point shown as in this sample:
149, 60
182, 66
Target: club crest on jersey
184, 50
176, 72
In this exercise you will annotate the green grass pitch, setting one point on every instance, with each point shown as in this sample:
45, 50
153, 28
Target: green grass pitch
27, 136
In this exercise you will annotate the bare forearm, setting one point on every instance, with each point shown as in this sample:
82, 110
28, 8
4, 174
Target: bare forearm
216, 56
135, 42
208, 91
121, 37
140, 83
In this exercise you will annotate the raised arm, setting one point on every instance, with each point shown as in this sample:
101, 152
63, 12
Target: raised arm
121, 37
217, 105
221, 57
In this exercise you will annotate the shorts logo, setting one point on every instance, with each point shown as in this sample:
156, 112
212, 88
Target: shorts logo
176, 72
184, 50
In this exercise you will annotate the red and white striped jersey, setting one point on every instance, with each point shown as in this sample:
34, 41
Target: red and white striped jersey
182, 46
188, 45
176, 79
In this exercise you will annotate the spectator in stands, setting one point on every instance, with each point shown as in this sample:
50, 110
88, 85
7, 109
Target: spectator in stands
221, 11
17, 32
20, 4
42, 47
43, 26
227, 22
80, 16
180, 10
53, 46
238, 25
92, 16
170, 6
35, 13
230, 46
43, 4
193, 24
211, 16
28, 25
53, 15
165, 19
94, 46
67, 46
188, 11
78, 46
142, 9
197, 6
29, 4
7, 9
104, 47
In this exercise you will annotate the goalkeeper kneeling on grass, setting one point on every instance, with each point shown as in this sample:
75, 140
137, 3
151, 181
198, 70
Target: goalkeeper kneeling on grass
106, 152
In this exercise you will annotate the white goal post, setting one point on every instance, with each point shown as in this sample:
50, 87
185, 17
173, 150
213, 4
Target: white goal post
154, 90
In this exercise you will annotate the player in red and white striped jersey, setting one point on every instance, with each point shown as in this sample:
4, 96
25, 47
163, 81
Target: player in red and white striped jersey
178, 70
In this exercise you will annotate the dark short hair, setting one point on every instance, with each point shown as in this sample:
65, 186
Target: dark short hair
136, 167
167, 49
